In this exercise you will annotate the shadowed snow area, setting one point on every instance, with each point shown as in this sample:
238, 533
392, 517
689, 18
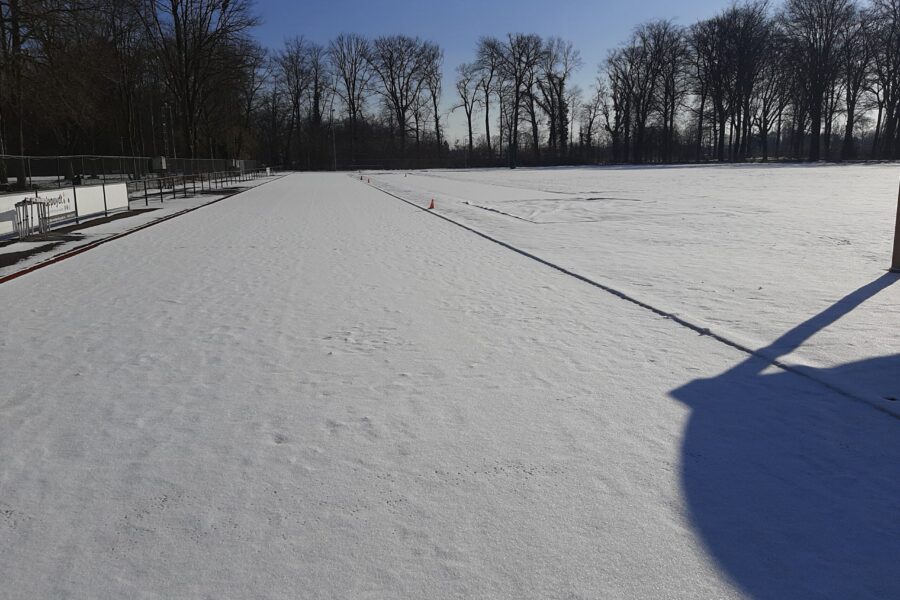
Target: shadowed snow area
313, 389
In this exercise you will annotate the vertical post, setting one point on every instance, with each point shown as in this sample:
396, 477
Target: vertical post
333, 142
895, 263
146, 199
103, 183
161, 199
75, 200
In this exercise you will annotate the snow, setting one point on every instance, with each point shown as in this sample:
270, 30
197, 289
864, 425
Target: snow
313, 389
148, 211
748, 252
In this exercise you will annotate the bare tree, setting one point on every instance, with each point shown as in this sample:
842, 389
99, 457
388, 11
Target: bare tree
769, 98
560, 59
433, 79
488, 64
188, 36
348, 54
813, 26
517, 57
467, 82
714, 74
617, 110
295, 74
673, 80
854, 70
590, 115
319, 82
885, 84
400, 63
251, 81
644, 55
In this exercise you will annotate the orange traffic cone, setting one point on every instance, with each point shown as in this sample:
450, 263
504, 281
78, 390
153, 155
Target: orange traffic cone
368, 181
431, 206
360, 177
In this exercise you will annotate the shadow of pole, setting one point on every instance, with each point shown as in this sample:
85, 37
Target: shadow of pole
794, 489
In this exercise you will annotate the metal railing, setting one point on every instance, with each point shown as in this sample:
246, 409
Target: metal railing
171, 186
22, 173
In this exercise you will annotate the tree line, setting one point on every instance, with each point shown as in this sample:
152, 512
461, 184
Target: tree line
808, 79
177, 78
804, 79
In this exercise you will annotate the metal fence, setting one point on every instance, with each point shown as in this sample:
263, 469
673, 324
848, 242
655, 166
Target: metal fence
171, 187
47, 172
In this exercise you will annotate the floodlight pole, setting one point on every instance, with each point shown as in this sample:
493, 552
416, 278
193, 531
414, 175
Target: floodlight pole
895, 263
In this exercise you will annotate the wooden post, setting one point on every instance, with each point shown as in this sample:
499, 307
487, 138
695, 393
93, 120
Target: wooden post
895, 263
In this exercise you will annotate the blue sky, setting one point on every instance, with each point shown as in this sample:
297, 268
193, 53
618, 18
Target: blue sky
593, 26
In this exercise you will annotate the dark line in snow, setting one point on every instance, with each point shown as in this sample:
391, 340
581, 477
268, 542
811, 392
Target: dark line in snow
657, 311
500, 212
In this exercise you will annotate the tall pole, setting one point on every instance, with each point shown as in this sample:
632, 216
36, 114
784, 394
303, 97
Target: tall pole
172, 127
333, 143
165, 132
895, 263
331, 118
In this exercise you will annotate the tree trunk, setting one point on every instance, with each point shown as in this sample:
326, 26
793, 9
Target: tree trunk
469, 123
875, 140
847, 147
778, 136
815, 127
487, 119
721, 143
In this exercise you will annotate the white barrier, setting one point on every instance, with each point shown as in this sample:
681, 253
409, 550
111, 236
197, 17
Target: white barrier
90, 200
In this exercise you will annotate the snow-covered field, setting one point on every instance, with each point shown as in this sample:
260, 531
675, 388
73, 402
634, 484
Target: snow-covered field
316, 390
748, 252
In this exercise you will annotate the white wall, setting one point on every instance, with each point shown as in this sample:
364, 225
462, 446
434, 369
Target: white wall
89, 199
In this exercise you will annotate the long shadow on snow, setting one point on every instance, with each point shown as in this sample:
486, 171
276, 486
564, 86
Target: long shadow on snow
795, 489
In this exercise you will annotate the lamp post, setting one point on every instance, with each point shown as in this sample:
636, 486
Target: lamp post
172, 127
331, 119
333, 142
895, 263
165, 128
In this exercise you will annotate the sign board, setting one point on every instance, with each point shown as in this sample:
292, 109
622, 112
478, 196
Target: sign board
59, 207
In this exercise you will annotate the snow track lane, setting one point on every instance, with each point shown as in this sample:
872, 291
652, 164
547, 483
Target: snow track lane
887, 407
